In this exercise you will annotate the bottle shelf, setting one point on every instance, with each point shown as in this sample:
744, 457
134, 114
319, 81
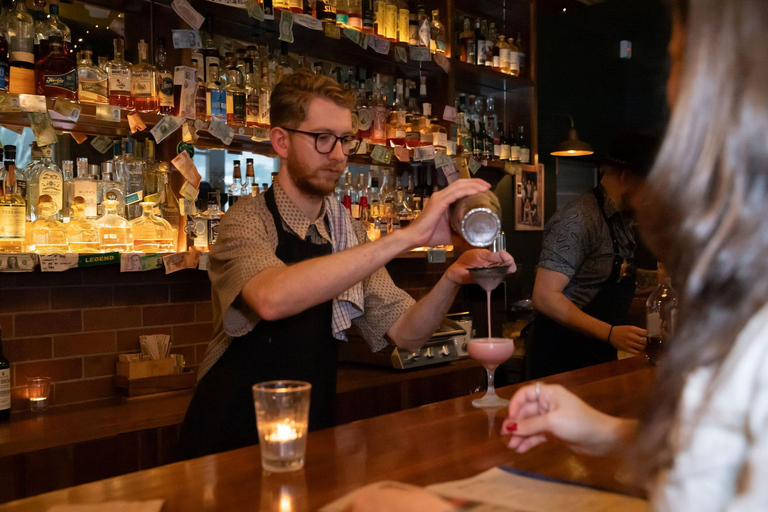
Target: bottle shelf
488, 79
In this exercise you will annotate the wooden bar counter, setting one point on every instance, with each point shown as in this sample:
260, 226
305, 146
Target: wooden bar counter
443, 441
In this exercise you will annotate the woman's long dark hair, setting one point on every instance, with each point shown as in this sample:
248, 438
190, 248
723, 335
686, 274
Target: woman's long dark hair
706, 212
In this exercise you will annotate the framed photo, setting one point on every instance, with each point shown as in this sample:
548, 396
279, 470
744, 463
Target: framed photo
529, 200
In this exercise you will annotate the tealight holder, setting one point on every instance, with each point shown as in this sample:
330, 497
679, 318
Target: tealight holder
282, 413
38, 391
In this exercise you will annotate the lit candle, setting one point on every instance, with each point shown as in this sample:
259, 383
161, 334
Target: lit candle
284, 437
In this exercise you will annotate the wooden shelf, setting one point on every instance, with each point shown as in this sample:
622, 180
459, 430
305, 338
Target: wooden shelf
486, 78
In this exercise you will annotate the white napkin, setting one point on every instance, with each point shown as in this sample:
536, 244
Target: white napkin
112, 506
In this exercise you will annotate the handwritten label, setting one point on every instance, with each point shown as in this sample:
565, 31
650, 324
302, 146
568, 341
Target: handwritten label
57, 262
308, 21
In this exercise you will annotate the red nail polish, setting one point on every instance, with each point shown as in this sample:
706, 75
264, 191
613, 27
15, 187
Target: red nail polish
512, 427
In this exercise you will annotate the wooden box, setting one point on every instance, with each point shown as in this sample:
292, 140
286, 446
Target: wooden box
157, 384
144, 369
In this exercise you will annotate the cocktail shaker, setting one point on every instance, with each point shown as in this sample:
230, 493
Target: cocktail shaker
477, 218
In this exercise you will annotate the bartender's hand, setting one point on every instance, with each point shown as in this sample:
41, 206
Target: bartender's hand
431, 227
629, 338
559, 413
398, 500
458, 272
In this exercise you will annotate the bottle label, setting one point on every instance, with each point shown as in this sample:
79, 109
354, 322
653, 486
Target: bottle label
86, 190
653, 324
5, 389
93, 91
264, 109
504, 58
525, 156
251, 112
426, 108
213, 231
504, 152
166, 90
238, 107
365, 119
143, 84
12, 222
217, 99
481, 52
120, 80
496, 61
20, 56
497, 150
514, 153
514, 61
440, 139
65, 81
21, 187
22, 81
51, 183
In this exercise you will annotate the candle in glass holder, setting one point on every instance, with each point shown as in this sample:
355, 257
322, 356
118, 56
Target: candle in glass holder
282, 412
38, 391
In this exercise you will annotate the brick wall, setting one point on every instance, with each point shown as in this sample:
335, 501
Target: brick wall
70, 326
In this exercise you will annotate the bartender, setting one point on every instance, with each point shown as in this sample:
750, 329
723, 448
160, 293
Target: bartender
586, 276
291, 271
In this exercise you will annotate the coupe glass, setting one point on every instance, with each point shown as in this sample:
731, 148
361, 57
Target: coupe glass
490, 352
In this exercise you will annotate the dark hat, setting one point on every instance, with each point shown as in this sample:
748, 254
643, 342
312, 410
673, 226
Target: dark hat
633, 151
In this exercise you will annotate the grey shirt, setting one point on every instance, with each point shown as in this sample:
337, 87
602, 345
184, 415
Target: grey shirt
577, 244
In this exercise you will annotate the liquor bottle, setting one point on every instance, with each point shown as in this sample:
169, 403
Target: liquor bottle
439, 135
118, 160
661, 315
46, 180
326, 10
56, 73
153, 182
481, 27
296, 6
525, 153
471, 43
503, 50
151, 234
437, 30
3, 63
110, 188
403, 21
144, 83
12, 208
236, 189
514, 58
265, 93
169, 203
207, 223
216, 96
91, 81
21, 39
424, 28
342, 13
84, 186
114, 231
119, 77
53, 26
391, 13
379, 119
166, 101
482, 137
5, 385
504, 141
235, 94
201, 100
368, 16
490, 43
49, 236
426, 105
134, 168
280, 5
250, 187
413, 25
82, 233
463, 137
514, 147
356, 14
210, 51
252, 100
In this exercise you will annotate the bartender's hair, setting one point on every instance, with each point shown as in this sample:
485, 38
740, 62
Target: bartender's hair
705, 216
289, 103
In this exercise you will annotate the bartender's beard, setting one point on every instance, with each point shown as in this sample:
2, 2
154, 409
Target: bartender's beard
313, 182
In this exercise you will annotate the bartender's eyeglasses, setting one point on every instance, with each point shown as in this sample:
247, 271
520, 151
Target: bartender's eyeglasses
326, 142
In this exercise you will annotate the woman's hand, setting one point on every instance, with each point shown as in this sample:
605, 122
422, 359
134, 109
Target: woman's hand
458, 272
555, 411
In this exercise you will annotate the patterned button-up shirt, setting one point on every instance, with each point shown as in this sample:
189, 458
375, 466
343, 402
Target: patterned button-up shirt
577, 244
246, 246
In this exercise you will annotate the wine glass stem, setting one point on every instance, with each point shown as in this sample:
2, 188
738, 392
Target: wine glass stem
491, 391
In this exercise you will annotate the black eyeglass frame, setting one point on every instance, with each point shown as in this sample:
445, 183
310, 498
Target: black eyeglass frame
317, 135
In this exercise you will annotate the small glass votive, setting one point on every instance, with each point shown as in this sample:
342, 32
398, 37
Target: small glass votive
282, 413
38, 391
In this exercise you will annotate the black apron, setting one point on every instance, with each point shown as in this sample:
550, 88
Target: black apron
553, 348
221, 415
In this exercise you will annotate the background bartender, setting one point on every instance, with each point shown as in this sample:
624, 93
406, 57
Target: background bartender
586, 280
291, 272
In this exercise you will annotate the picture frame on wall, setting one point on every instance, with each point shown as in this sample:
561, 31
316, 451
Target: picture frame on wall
529, 200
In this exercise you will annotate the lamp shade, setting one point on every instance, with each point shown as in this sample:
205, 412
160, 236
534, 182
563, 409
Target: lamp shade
573, 146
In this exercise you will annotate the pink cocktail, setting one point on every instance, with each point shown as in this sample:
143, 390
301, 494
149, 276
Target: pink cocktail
490, 352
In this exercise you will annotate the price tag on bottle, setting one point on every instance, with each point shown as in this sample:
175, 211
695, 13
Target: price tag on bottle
32, 103
419, 53
286, 26
308, 21
451, 172
101, 143
331, 31
402, 154
449, 114
187, 167
135, 122
441, 160
442, 61
255, 9
474, 166
108, 113
67, 109
42, 128
381, 154
423, 153
400, 54
378, 44
189, 191
187, 13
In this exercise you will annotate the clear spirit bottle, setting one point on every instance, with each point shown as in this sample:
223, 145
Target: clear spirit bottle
20, 32
265, 93
661, 316
84, 186
165, 93
46, 180
135, 171
236, 189
12, 207
111, 189
235, 93
119, 77
114, 231
250, 187
91, 81
153, 181
82, 233
144, 83
53, 26
168, 202
151, 234
49, 236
